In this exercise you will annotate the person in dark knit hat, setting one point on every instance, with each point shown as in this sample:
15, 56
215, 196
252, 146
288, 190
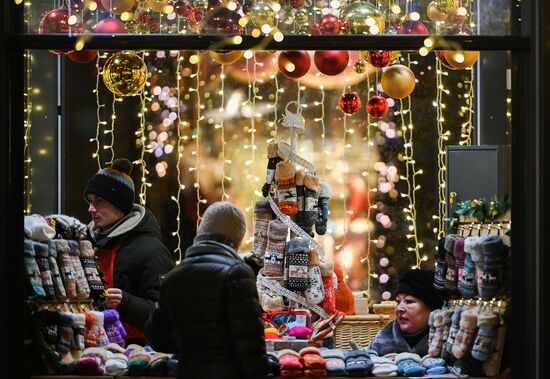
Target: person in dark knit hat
408, 333
128, 246
208, 310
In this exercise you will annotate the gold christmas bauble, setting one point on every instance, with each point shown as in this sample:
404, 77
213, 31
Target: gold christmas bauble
226, 57
118, 6
398, 81
360, 67
262, 14
125, 73
436, 12
461, 59
363, 18
156, 5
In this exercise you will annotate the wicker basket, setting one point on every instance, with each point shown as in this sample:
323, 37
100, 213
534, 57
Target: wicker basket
385, 308
362, 329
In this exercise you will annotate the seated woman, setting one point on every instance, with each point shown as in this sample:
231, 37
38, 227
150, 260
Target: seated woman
408, 333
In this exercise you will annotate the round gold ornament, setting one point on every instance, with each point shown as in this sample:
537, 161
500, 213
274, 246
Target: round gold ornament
301, 16
125, 73
157, 5
436, 12
398, 81
361, 17
461, 59
360, 67
262, 14
226, 57
200, 4
118, 6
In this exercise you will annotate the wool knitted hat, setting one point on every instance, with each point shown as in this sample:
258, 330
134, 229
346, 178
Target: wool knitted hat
114, 184
224, 219
419, 283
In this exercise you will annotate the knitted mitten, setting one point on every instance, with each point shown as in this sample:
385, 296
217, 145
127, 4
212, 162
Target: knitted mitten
263, 215
437, 340
296, 264
31, 267
358, 363
272, 160
335, 361
494, 254
58, 286
116, 365
42, 252
49, 325
465, 335
450, 276
409, 364
36, 227
286, 188
447, 320
289, 360
322, 208
66, 334
90, 331
275, 249
434, 366
316, 292
466, 282
68, 227
311, 359
441, 267
459, 255
79, 326
383, 366
139, 362
66, 267
455, 325
82, 288
485, 341
477, 257
329, 298
87, 257
431, 326
113, 327
102, 338
311, 197
92, 361
299, 217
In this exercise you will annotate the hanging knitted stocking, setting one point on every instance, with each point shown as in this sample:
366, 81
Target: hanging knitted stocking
89, 265
82, 288
286, 188
485, 341
32, 269
322, 208
437, 341
465, 336
66, 267
441, 267
329, 300
299, 217
275, 249
296, 264
315, 293
263, 214
311, 195
59, 288
42, 252
272, 160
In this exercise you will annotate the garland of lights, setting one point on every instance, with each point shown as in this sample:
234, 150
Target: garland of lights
179, 146
143, 145
468, 126
225, 195
99, 121
27, 125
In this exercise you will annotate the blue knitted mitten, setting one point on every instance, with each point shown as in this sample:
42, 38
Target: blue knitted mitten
358, 363
409, 364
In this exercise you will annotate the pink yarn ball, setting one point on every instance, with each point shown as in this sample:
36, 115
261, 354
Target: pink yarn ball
386, 295
384, 278
384, 262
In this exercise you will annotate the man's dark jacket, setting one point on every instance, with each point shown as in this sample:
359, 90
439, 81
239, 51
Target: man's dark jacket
210, 305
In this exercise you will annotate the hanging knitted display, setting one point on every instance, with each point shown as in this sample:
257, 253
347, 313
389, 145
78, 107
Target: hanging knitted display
296, 264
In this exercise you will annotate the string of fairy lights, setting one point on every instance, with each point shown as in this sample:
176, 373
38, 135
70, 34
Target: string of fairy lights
142, 143
99, 107
27, 125
179, 146
467, 110
225, 196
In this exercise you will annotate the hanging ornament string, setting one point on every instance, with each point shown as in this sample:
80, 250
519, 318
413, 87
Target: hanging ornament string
179, 146
111, 132
99, 121
143, 139
441, 137
279, 290
225, 195
27, 127
195, 59
468, 125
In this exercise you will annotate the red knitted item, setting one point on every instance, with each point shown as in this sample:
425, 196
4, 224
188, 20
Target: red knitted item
344, 297
290, 362
291, 373
315, 373
329, 302
91, 331
313, 362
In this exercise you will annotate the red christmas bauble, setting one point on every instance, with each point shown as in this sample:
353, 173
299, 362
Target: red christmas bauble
377, 106
329, 24
221, 21
110, 26
379, 58
331, 62
294, 63
412, 27
350, 103
82, 56
57, 22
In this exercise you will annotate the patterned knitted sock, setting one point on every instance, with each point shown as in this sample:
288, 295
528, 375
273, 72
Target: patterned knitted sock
455, 325
66, 267
322, 208
275, 249
42, 252
102, 339
79, 325
111, 321
431, 326
459, 255
477, 258
450, 276
315, 293
441, 267
437, 341
286, 188
466, 284
311, 196
49, 325
32, 269
66, 334
89, 264
494, 254
447, 321
59, 288
464, 337
272, 160
329, 298
90, 331
296, 264
263, 215
485, 341
300, 215
82, 288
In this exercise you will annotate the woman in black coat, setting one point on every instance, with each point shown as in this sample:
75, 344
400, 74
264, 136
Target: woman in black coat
208, 310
